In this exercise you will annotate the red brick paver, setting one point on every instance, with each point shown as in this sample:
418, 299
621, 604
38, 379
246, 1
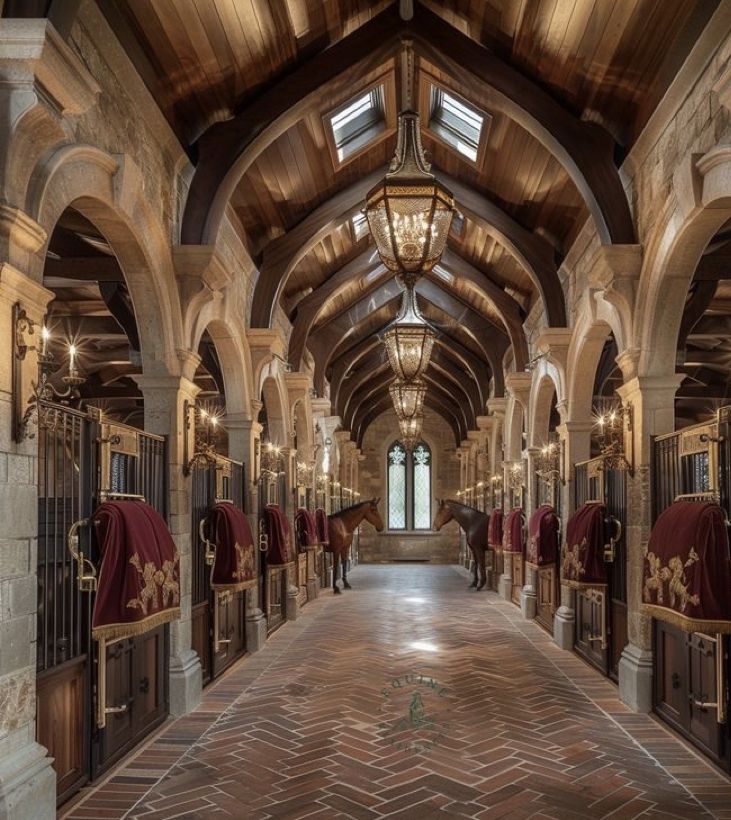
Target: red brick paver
410, 697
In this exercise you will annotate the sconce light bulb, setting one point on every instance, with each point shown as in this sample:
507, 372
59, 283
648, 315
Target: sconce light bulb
214, 421
45, 333
204, 413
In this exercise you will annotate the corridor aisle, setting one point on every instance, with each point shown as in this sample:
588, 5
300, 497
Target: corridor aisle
411, 697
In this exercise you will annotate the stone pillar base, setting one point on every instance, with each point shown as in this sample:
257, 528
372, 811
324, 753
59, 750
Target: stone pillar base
528, 602
256, 630
27, 784
635, 678
506, 587
312, 589
563, 627
186, 682
291, 608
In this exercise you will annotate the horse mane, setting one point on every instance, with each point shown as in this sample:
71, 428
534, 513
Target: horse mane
351, 507
464, 506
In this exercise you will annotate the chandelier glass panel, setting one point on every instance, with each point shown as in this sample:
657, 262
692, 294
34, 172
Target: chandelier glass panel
409, 341
408, 398
409, 212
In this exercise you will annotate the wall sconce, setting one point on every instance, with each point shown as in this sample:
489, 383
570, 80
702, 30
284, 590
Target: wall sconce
205, 426
549, 463
271, 461
612, 424
42, 389
515, 476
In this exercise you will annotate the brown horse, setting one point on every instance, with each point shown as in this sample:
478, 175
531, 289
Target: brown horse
341, 526
475, 524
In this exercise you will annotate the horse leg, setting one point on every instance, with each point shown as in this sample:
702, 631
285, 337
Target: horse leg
483, 570
344, 563
474, 569
336, 559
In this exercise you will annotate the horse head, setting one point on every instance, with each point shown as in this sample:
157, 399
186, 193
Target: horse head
372, 515
443, 515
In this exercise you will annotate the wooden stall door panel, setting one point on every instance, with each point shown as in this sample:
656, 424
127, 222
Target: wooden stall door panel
546, 591
704, 726
61, 724
588, 627
517, 577
149, 703
671, 673
120, 692
201, 637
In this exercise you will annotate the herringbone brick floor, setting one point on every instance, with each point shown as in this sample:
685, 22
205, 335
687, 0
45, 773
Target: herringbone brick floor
410, 697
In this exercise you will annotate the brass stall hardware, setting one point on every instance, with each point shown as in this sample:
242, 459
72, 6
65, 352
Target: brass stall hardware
610, 548
210, 552
720, 659
263, 537
220, 599
102, 710
597, 596
86, 574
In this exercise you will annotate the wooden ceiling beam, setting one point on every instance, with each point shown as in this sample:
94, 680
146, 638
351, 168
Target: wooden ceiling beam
584, 149
282, 255
227, 149
441, 366
532, 252
371, 383
362, 423
309, 308
83, 269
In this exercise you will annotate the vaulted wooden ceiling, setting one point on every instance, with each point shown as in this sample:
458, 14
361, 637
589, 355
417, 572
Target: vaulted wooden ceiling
567, 86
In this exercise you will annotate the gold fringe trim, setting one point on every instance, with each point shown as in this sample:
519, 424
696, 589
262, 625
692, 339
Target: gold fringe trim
280, 566
670, 616
234, 587
314, 547
494, 546
116, 632
583, 584
540, 566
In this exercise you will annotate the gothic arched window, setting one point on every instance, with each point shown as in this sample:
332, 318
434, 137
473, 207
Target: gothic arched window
409, 487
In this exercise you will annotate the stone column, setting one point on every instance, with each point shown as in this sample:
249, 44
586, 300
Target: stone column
243, 441
164, 398
575, 438
529, 594
27, 781
653, 413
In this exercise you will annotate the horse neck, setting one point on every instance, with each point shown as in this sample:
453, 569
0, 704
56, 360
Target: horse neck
353, 516
463, 515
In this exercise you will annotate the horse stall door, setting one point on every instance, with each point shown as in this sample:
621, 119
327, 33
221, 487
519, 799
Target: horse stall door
616, 500
546, 596
63, 695
686, 686
591, 626
131, 463
518, 580
229, 636
202, 489
276, 596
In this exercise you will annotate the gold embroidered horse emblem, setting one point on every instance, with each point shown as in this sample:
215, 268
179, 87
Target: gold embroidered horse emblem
571, 566
674, 575
156, 584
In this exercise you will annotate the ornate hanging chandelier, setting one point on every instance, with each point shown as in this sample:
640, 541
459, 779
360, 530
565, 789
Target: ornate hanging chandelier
409, 212
408, 398
410, 432
409, 341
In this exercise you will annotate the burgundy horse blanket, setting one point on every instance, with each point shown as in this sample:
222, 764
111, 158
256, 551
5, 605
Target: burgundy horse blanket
687, 577
305, 527
321, 520
280, 541
542, 537
138, 588
234, 565
495, 530
583, 560
513, 531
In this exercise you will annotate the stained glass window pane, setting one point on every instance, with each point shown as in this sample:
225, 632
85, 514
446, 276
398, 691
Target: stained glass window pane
422, 487
397, 488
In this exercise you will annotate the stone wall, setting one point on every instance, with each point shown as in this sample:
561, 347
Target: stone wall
429, 547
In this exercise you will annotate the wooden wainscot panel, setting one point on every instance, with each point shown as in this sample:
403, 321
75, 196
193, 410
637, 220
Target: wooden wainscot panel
61, 720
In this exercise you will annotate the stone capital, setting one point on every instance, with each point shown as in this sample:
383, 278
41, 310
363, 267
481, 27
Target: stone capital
265, 344
34, 52
151, 384
650, 391
519, 385
497, 407
554, 343
615, 271
20, 237
17, 287
485, 423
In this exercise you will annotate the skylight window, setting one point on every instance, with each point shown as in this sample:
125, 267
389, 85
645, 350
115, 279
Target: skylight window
360, 226
358, 122
456, 122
